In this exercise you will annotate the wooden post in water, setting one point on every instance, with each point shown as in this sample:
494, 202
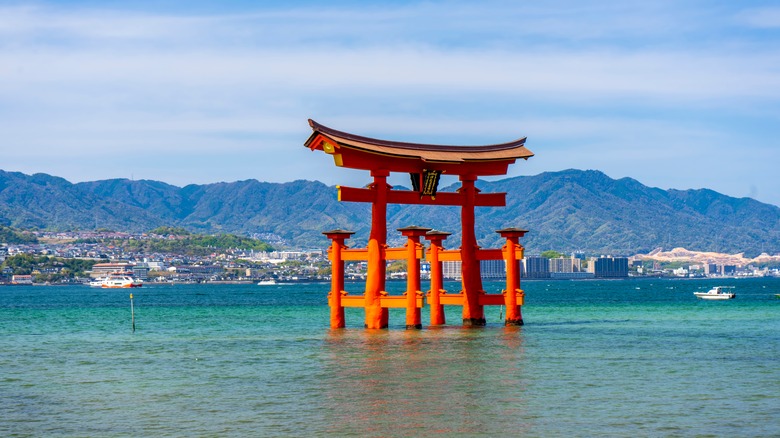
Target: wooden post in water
437, 276
376, 316
513, 295
132, 312
471, 277
414, 252
337, 276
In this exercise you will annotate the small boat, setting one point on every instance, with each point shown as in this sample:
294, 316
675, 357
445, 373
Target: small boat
716, 293
270, 282
98, 282
119, 280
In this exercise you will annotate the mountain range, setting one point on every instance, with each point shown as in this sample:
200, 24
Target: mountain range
571, 210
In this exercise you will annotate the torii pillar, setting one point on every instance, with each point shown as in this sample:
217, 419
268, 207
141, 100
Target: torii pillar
437, 276
471, 274
413, 252
376, 316
513, 295
337, 276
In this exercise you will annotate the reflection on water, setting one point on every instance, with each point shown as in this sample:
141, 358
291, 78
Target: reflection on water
441, 380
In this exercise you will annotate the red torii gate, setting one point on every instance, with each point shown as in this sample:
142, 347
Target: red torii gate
425, 163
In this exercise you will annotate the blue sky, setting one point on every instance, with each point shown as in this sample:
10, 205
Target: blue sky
677, 94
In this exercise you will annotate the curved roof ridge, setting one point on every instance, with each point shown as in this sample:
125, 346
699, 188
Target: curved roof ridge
317, 127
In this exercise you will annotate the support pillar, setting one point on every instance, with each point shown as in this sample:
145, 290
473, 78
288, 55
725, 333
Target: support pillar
437, 276
413, 250
337, 276
376, 316
473, 311
513, 295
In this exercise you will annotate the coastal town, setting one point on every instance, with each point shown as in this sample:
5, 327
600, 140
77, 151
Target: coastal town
51, 261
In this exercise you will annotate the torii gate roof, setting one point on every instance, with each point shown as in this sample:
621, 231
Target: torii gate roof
358, 152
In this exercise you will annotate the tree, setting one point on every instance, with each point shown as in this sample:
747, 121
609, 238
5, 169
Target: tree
24, 264
397, 266
10, 235
170, 231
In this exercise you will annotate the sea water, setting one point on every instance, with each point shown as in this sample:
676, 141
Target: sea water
595, 358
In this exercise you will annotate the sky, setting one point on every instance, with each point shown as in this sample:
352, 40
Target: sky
675, 94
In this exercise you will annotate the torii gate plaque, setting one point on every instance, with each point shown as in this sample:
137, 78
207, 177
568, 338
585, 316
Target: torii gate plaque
425, 163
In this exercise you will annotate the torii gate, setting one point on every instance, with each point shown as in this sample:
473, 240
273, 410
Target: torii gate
425, 163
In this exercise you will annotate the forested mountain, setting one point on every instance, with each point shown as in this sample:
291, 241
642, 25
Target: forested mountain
565, 211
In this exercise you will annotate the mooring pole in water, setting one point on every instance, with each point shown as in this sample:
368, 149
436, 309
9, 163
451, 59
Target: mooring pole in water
132, 312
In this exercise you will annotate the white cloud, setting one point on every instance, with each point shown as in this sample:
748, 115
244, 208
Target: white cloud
763, 18
560, 75
650, 90
435, 22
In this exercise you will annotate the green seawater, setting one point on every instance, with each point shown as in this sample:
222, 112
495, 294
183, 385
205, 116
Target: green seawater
595, 358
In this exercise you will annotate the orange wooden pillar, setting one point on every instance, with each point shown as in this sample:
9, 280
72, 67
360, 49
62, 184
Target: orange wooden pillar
473, 310
376, 316
414, 250
513, 295
437, 276
337, 276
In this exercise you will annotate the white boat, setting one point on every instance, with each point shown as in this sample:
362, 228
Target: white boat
98, 282
717, 293
270, 282
119, 280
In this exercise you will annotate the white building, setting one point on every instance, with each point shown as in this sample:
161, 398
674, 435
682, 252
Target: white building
489, 270
565, 265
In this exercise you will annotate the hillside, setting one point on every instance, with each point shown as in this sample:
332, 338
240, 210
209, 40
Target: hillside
566, 211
